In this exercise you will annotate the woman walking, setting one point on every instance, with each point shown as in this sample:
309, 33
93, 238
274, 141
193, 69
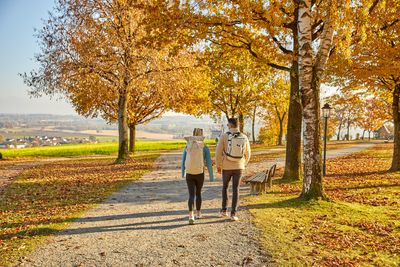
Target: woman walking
195, 155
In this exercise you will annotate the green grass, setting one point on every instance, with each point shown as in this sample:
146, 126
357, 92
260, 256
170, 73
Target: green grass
45, 199
299, 233
360, 226
90, 149
106, 139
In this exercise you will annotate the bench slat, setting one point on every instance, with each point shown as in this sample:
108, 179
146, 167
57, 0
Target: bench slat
257, 178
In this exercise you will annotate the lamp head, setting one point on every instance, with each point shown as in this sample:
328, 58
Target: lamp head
326, 110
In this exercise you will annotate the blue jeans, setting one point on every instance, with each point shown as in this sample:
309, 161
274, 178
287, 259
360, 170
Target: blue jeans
236, 176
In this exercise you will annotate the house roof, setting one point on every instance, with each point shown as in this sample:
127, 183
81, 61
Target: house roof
384, 128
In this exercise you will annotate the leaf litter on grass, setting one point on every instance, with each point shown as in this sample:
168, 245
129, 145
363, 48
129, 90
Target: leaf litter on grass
359, 226
45, 198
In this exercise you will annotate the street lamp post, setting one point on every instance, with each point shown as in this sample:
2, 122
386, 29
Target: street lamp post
326, 111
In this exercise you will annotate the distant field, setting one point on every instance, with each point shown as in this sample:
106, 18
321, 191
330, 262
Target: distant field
89, 149
102, 136
139, 134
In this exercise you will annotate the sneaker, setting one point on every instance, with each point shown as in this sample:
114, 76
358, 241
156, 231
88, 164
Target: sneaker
234, 218
198, 215
223, 213
191, 220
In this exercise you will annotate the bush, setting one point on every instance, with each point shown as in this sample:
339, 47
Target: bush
267, 137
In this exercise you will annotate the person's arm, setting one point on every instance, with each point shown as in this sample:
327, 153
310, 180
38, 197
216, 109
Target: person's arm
183, 163
207, 159
247, 151
219, 152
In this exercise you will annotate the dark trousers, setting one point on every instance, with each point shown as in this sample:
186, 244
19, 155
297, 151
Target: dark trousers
195, 184
227, 175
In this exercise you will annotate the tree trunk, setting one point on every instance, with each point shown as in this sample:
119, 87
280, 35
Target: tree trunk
253, 123
280, 135
241, 123
396, 120
369, 135
310, 72
122, 127
281, 119
132, 138
338, 134
294, 123
348, 129
362, 138
312, 180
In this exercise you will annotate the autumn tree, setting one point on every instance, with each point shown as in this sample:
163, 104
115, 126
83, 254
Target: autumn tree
275, 104
151, 95
236, 83
338, 113
348, 110
374, 61
87, 46
96, 54
340, 22
374, 114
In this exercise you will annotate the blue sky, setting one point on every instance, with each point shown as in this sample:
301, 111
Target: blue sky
18, 18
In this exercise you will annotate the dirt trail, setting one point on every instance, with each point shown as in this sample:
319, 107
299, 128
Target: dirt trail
145, 224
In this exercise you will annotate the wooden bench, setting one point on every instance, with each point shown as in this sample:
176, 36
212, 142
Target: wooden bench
261, 181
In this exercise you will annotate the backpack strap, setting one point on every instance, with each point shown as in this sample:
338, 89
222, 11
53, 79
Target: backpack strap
233, 134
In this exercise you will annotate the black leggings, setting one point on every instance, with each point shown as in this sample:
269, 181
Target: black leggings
195, 184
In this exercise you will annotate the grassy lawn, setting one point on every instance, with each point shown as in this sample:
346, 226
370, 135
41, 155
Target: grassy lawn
267, 156
44, 199
260, 147
90, 149
359, 227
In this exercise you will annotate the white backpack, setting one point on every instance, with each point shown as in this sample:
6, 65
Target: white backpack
194, 163
236, 146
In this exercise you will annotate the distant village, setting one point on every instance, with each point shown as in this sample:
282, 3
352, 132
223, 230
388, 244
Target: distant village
44, 141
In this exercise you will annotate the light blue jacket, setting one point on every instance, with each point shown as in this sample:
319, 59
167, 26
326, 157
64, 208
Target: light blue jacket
207, 160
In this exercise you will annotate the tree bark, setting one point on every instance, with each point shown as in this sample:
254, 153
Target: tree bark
280, 135
132, 138
253, 123
122, 127
348, 129
310, 72
294, 123
396, 120
241, 122
339, 130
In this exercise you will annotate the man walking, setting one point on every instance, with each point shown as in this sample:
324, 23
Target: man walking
232, 156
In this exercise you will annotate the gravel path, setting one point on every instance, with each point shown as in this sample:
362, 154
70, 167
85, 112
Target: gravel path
146, 225
332, 153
